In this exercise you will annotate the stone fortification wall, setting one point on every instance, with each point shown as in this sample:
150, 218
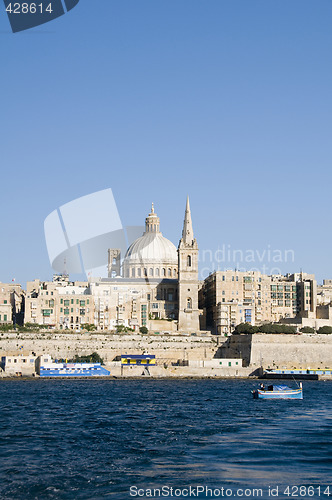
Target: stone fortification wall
281, 351
167, 370
274, 351
291, 351
235, 346
197, 351
108, 346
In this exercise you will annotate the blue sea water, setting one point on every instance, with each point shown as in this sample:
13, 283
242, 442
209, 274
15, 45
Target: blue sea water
92, 439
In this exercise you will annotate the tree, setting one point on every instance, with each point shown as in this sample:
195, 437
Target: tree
89, 327
277, 328
307, 329
123, 328
324, 329
245, 328
143, 330
89, 358
6, 327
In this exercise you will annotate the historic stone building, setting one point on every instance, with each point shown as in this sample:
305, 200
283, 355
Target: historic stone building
11, 303
156, 286
152, 255
188, 276
158, 282
233, 297
60, 303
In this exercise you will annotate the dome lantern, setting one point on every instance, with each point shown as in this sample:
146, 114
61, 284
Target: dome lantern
152, 254
152, 222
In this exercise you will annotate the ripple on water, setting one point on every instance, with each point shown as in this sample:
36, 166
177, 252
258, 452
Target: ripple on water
92, 439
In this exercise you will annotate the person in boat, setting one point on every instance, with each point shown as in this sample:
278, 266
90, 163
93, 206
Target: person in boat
262, 387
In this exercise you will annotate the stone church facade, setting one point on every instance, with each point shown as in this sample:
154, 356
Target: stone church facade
157, 282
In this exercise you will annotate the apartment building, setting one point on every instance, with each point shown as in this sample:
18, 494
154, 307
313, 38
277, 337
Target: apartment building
133, 303
231, 297
324, 293
11, 303
59, 303
105, 303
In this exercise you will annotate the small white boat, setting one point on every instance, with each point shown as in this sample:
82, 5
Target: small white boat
277, 392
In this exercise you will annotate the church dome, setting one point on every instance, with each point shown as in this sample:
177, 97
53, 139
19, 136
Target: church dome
152, 254
152, 247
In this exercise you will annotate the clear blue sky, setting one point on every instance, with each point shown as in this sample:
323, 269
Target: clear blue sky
229, 101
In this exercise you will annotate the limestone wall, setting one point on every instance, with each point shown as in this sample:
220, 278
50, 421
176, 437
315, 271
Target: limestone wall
279, 351
167, 370
66, 345
291, 351
274, 351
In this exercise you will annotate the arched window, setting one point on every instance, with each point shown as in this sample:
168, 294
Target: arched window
157, 271
169, 272
145, 271
133, 272
163, 272
174, 273
189, 261
114, 261
151, 271
139, 272
189, 303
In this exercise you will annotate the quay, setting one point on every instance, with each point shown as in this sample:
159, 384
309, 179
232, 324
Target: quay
238, 356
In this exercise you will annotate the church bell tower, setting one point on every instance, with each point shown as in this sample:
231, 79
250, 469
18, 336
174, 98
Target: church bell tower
188, 277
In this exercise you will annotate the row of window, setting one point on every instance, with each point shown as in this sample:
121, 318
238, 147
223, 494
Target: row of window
67, 302
280, 295
20, 359
246, 279
287, 288
152, 272
286, 303
66, 311
166, 306
66, 320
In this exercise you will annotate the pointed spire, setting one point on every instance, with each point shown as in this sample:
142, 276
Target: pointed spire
187, 232
152, 208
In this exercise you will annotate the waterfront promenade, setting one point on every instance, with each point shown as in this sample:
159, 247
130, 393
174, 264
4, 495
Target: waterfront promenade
181, 355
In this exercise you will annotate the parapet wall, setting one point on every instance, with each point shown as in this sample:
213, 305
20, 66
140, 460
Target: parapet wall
287, 351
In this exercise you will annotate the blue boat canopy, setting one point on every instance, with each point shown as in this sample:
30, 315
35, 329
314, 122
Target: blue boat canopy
281, 388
